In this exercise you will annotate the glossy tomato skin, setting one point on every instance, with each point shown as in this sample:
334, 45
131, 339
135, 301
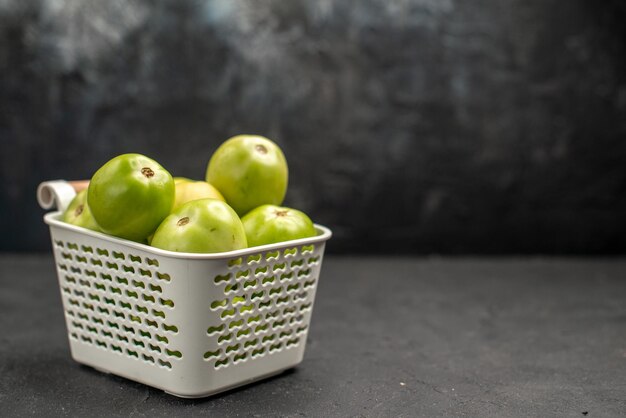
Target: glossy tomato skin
130, 195
201, 226
269, 224
250, 171
79, 214
189, 190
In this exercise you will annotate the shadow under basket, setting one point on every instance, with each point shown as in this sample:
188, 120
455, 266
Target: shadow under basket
192, 325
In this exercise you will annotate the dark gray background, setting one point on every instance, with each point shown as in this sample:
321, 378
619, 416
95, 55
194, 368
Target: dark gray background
415, 126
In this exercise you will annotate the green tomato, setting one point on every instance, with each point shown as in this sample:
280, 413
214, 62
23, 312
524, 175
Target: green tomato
181, 180
249, 171
79, 214
201, 226
130, 196
269, 224
186, 191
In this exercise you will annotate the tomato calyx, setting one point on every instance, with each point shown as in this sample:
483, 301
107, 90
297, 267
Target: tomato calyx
147, 171
183, 221
261, 149
281, 213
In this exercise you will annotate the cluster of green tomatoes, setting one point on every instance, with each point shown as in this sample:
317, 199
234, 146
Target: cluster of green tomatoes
238, 206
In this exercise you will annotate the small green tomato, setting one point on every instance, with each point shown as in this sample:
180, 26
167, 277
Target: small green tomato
79, 214
186, 191
269, 224
130, 196
250, 171
201, 226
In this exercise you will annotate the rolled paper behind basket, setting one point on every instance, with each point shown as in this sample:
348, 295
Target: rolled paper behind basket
59, 193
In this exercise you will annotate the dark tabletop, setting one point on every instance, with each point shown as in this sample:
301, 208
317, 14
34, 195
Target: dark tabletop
389, 337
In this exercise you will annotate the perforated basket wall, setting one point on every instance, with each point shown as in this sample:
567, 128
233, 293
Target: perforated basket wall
193, 324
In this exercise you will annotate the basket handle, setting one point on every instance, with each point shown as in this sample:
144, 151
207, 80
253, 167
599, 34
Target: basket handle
59, 193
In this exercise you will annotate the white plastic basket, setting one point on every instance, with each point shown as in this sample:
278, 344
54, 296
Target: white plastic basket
190, 324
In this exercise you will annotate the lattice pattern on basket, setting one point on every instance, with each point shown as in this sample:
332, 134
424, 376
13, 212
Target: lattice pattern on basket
115, 301
266, 298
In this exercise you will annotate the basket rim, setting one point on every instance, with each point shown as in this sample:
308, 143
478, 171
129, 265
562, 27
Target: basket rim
324, 235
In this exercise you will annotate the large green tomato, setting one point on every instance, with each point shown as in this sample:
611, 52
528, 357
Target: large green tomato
201, 226
79, 214
130, 196
269, 224
189, 190
249, 171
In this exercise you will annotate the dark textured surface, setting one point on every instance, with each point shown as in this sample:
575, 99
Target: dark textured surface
389, 337
491, 126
